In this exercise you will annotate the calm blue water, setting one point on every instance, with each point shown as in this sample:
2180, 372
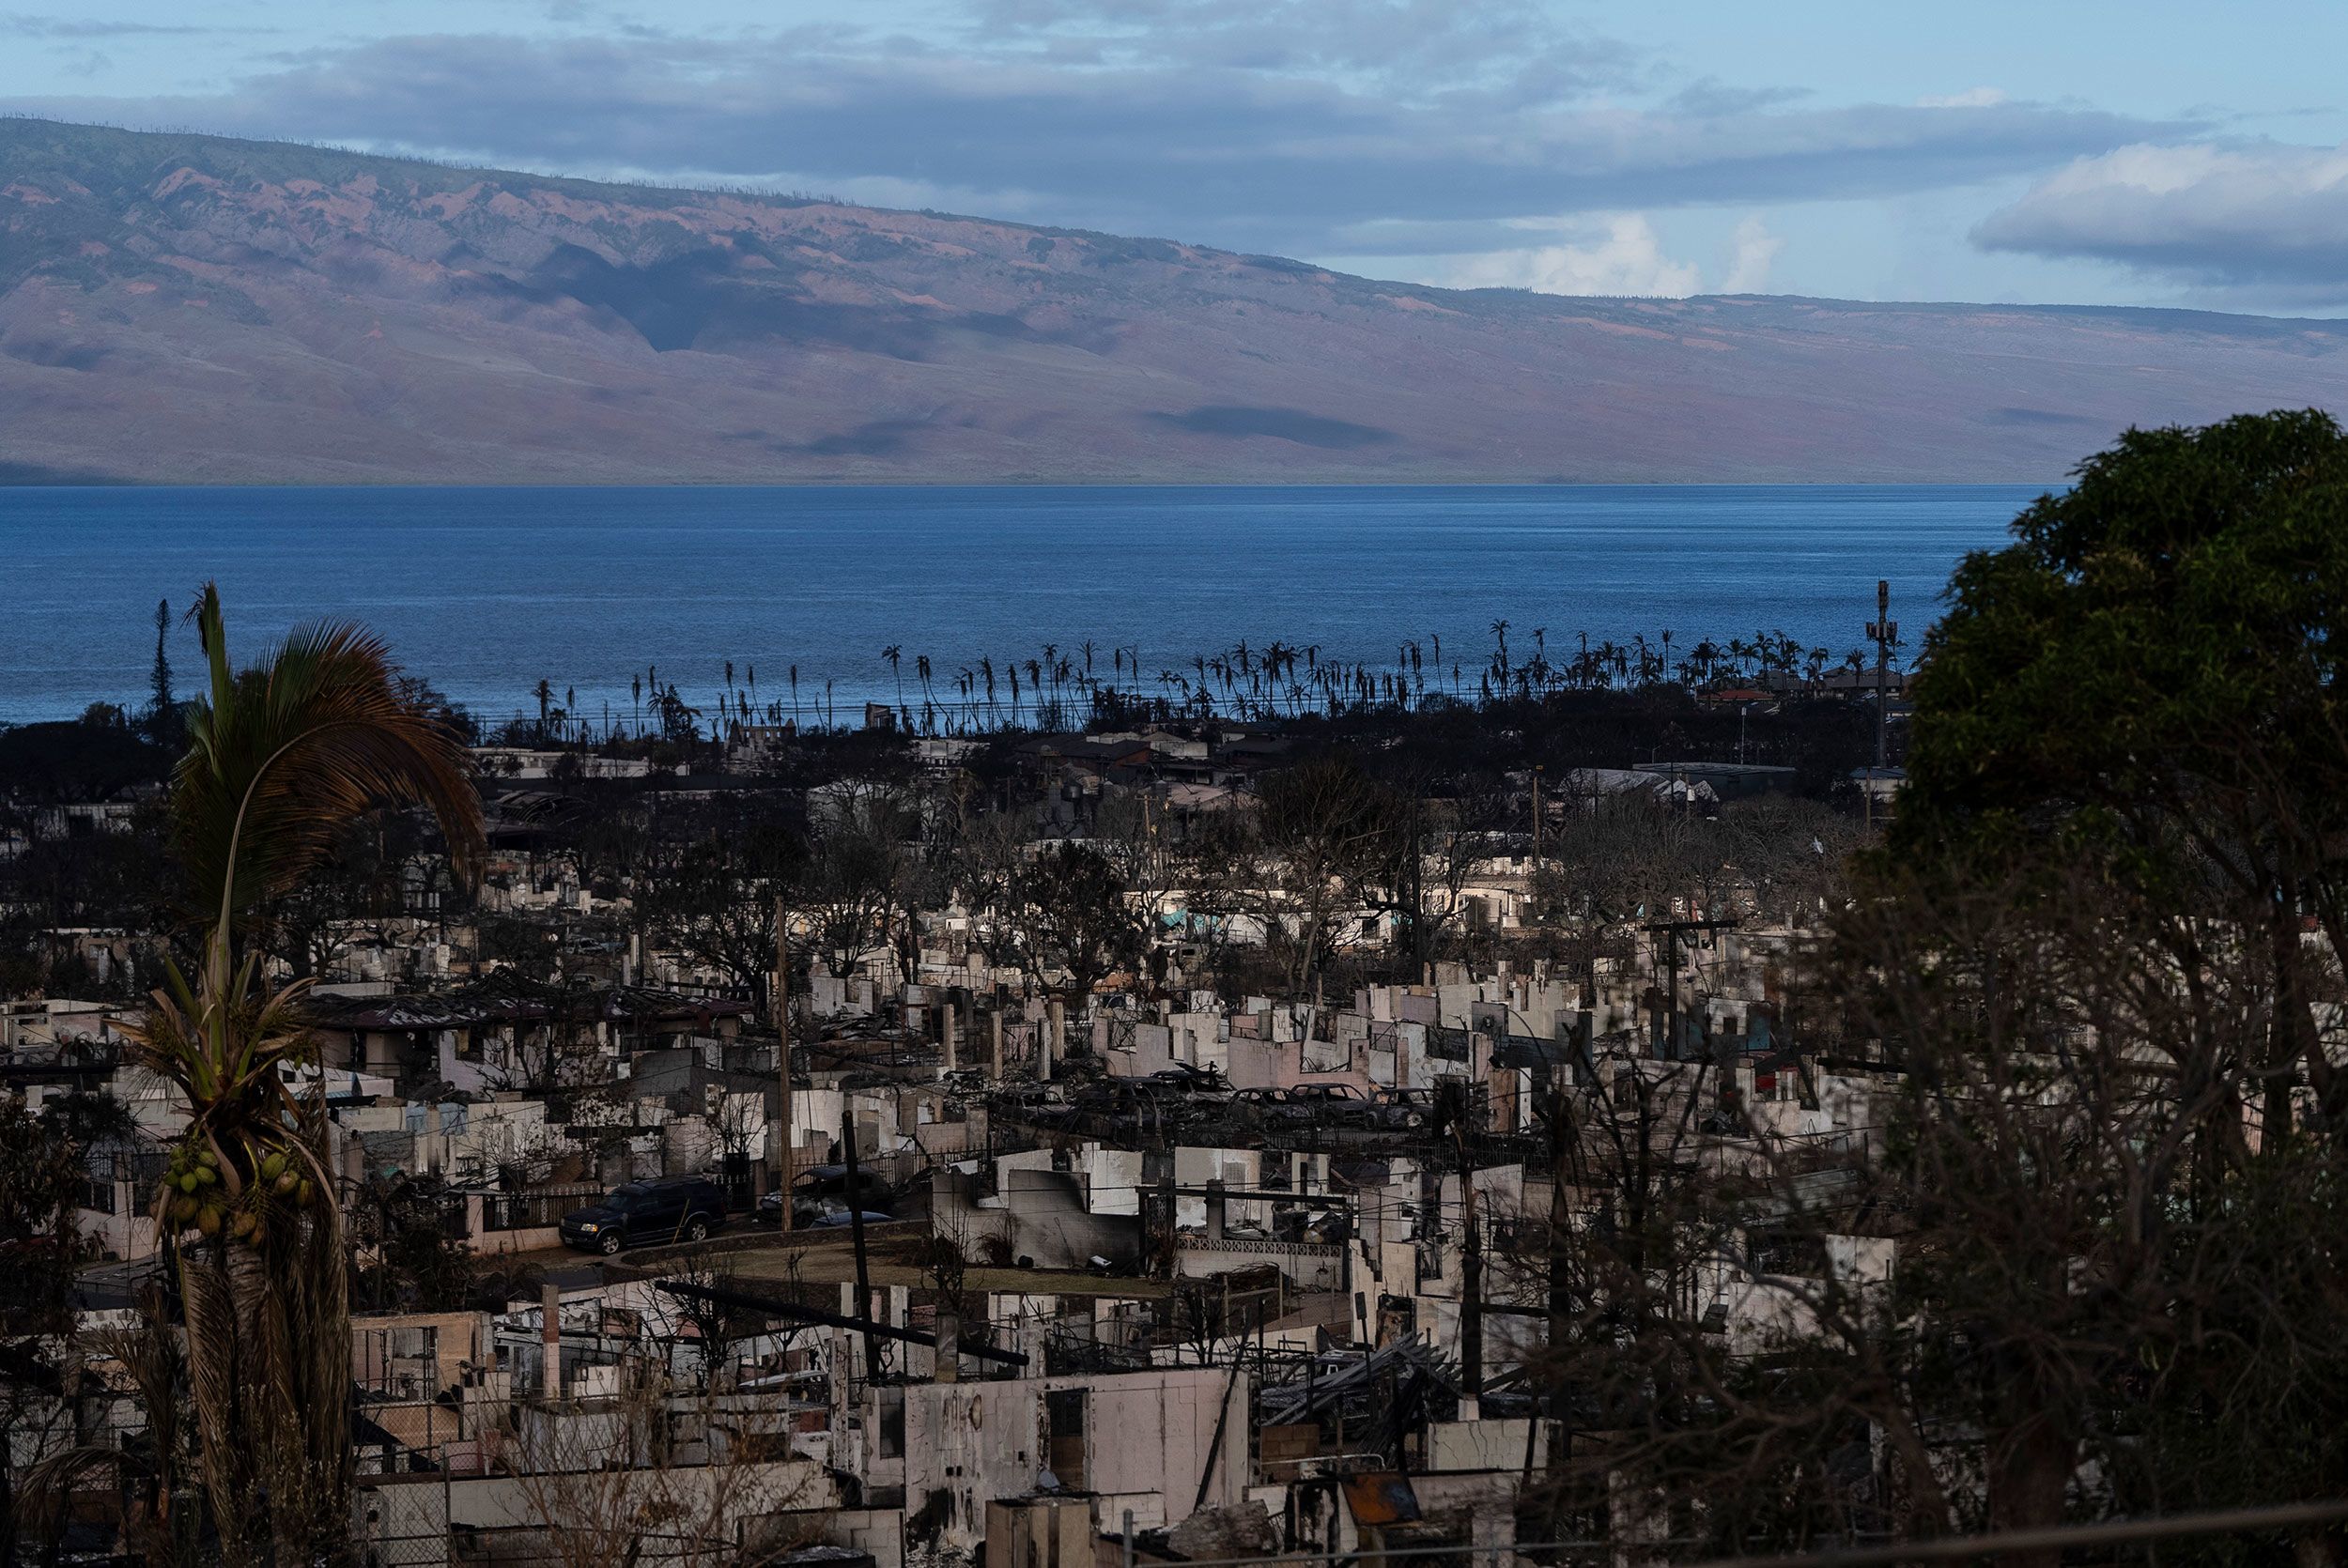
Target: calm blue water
484, 591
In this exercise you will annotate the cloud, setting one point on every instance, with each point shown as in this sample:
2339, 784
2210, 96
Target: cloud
1712, 96
1615, 255
23, 24
1971, 98
1756, 250
1620, 255
2201, 214
1269, 125
1511, 50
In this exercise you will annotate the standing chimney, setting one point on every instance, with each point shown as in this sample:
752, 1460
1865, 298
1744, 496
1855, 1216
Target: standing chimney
1055, 1039
949, 1369
551, 1340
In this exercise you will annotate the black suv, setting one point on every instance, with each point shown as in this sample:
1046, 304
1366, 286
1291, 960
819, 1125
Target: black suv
673, 1208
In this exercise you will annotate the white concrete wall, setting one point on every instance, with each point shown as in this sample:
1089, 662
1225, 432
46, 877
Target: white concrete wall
1146, 1433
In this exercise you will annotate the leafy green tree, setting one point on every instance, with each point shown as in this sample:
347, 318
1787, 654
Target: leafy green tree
2152, 672
2130, 741
162, 709
76, 762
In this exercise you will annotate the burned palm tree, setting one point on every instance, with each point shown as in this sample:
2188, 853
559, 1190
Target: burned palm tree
894, 654
281, 757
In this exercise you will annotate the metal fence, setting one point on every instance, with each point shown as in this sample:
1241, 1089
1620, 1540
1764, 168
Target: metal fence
539, 1208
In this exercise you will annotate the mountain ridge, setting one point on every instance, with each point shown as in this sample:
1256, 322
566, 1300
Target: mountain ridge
182, 308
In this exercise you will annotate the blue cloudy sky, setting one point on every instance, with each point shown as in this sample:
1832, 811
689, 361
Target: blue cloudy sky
2154, 152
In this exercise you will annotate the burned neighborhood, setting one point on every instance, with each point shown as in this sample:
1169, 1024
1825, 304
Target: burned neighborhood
1612, 1119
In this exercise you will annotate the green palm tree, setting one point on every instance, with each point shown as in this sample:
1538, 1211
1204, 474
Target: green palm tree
280, 758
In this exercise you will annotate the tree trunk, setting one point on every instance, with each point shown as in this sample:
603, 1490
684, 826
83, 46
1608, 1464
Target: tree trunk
217, 1390
2029, 1476
269, 1364
2298, 1041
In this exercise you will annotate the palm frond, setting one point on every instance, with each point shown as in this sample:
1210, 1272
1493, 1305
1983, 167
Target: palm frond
286, 753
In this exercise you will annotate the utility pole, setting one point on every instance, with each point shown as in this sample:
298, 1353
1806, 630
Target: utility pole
1471, 1280
855, 1232
1671, 1000
1536, 819
788, 1162
1414, 874
1560, 1222
1885, 631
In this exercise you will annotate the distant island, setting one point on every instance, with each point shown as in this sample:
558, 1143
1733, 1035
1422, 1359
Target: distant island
202, 309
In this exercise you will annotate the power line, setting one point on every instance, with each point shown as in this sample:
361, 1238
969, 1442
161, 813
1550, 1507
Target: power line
2110, 1532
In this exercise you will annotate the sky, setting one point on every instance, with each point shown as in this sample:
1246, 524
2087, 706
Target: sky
2006, 151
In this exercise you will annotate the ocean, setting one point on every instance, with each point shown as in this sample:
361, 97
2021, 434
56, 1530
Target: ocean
485, 591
